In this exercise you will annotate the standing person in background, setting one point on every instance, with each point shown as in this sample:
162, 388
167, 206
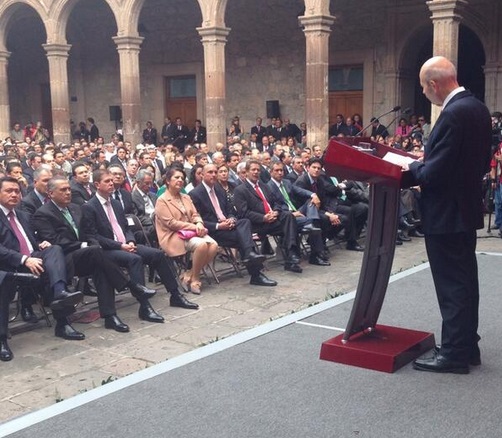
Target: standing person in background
456, 158
93, 130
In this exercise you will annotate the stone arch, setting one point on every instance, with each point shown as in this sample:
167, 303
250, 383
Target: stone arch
471, 60
60, 12
8, 8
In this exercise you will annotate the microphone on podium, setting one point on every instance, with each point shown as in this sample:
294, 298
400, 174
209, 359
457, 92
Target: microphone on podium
393, 110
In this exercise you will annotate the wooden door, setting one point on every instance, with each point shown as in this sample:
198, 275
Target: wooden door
346, 103
181, 99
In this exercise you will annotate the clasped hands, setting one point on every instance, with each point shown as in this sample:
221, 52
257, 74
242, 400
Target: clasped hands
271, 216
35, 264
227, 224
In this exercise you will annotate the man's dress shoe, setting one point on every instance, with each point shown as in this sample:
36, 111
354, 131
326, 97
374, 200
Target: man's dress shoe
415, 233
403, 237
293, 267
5, 351
293, 258
398, 242
140, 291
354, 246
66, 299
253, 259
179, 300
113, 322
146, 313
474, 357
310, 228
28, 314
440, 364
319, 261
262, 280
67, 332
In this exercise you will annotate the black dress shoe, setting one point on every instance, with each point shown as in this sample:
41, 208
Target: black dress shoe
66, 299
146, 313
262, 280
415, 233
405, 225
403, 237
441, 364
114, 322
28, 314
398, 242
310, 228
354, 246
5, 351
67, 332
179, 300
140, 291
253, 259
319, 261
293, 267
474, 356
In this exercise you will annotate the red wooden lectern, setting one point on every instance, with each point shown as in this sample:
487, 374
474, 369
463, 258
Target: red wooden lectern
364, 343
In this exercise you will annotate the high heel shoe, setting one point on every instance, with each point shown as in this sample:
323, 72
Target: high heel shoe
195, 287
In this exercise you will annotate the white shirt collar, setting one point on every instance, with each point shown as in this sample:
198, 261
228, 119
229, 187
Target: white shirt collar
208, 189
277, 183
101, 200
453, 93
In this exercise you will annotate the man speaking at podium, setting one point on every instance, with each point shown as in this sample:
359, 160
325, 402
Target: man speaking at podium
456, 157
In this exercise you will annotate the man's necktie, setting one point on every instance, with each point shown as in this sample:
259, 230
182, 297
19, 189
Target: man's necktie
314, 187
286, 197
88, 188
69, 219
24, 248
117, 230
266, 205
117, 195
216, 205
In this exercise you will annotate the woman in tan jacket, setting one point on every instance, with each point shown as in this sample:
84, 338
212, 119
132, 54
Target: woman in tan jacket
175, 212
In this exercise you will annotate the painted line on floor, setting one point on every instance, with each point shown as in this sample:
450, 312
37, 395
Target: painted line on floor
338, 329
43, 414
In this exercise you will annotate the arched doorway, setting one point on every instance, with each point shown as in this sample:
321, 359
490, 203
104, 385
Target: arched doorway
28, 69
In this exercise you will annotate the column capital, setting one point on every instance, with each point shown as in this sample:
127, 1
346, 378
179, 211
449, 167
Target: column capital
4, 55
128, 42
57, 49
316, 23
446, 9
214, 34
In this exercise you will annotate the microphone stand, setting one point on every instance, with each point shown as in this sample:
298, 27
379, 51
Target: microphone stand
379, 117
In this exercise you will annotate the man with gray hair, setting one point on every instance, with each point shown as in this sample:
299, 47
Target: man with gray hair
144, 202
38, 196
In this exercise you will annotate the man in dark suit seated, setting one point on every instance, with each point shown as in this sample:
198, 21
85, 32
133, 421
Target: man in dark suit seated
34, 161
120, 193
297, 169
38, 196
20, 252
120, 157
144, 202
254, 201
59, 222
105, 221
333, 214
81, 189
211, 203
306, 215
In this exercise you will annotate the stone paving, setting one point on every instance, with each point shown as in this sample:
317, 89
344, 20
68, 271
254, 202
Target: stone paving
47, 369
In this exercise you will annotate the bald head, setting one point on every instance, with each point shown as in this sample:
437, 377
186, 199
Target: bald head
438, 78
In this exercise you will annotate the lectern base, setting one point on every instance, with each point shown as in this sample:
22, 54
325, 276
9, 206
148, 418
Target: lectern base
384, 349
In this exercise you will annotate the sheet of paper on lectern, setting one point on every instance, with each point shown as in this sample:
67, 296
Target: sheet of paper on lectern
397, 159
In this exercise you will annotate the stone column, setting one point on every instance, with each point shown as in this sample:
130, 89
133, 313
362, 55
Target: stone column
129, 48
57, 56
493, 85
4, 95
446, 19
214, 40
317, 30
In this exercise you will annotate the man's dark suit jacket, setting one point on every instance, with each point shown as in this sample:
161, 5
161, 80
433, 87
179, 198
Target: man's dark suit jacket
79, 194
327, 193
95, 223
115, 160
179, 138
204, 206
379, 130
126, 196
298, 195
249, 204
291, 176
28, 174
30, 203
199, 136
150, 137
52, 226
260, 132
456, 158
336, 129
10, 257
93, 133
139, 205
